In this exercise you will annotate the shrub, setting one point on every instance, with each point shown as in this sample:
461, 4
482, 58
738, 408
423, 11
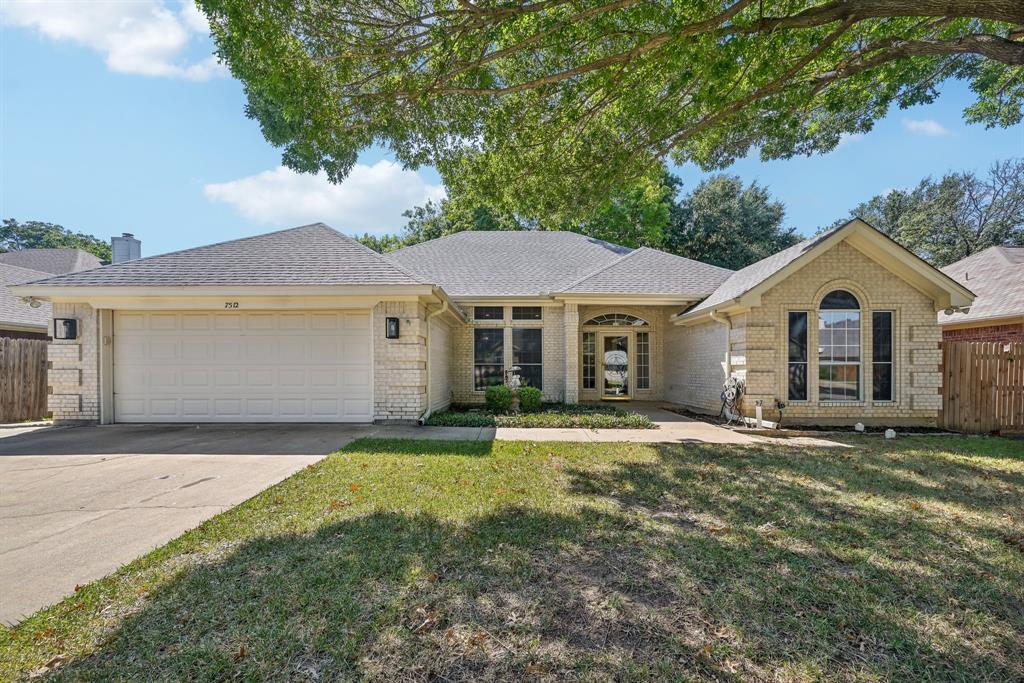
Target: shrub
498, 399
454, 418
529, 399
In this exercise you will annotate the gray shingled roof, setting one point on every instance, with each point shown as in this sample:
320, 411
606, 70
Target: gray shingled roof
512, 263
745, 279
996, 276
13, 311
308, 255
52, 261
650, 271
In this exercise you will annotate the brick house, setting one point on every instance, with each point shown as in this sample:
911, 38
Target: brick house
307, 325
996, 276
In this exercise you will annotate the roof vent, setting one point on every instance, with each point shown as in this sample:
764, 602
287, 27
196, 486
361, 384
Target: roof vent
125, 248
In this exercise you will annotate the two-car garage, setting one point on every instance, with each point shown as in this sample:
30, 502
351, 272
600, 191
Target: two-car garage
243, 366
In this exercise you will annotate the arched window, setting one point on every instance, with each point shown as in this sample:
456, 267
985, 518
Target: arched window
617, 319
839, 356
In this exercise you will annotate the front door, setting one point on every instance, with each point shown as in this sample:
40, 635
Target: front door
615, 366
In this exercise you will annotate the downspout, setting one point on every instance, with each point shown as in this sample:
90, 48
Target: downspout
728, 341
427, 411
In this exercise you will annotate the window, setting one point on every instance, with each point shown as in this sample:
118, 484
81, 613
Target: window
617, 319
527, 355
488, 357
526, 312
643, 360
839, 347
881, 355
589, 360
488, 313
797, 355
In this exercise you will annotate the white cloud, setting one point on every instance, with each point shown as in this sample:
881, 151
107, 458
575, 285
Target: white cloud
925, 127
144, 37
371, 198
848, 139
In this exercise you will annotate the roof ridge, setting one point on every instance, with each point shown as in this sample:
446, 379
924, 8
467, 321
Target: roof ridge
599, 270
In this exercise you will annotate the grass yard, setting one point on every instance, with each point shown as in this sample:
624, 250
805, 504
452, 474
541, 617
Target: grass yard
436, 561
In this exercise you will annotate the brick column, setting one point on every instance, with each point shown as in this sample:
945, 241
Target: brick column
572, 353
73, 377
400, 365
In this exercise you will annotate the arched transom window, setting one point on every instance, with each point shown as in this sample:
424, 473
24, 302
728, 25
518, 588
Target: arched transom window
617, 319
839, 354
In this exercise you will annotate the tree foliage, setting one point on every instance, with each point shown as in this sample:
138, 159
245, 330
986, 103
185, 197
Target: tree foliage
726, 224
42, 235
960, 214
635, 217
719, 222
550, 106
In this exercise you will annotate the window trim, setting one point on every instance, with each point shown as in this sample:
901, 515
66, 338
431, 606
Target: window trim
859, 364
806, 362
525, 330
892, 356
476, 364
489, 320
643, 370
592, 364
539, 318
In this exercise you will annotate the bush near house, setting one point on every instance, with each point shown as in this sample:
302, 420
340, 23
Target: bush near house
553, 415
529, 399
498, 399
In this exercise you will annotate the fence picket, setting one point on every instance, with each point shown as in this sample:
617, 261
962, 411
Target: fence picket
22, 379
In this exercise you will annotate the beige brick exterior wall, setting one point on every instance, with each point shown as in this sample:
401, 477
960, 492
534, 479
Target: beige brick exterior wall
760, 343
553, 342
440, 351
73, 378
400, 365
695, 366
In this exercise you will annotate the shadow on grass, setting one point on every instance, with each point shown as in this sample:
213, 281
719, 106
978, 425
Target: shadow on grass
699, 563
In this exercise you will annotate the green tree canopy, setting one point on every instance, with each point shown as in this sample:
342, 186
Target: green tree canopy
550, 106
960, 214
719, 222
635, 217
726, 224
42, 235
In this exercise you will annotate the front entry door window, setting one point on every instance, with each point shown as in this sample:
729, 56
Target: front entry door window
616, 366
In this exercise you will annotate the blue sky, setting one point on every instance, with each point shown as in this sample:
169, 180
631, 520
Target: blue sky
114, 118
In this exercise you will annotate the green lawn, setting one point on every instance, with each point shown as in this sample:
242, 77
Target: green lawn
496, 561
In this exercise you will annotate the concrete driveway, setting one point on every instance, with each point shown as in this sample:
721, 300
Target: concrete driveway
77, 503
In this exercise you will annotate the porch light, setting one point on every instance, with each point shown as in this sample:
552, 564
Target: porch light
65, 328
391, 328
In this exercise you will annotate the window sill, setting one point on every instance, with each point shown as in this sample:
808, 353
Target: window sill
841, 404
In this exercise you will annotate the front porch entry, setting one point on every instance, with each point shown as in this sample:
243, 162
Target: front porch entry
615, 357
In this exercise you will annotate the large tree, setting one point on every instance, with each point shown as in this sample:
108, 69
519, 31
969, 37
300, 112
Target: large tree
635, 217
726, 224
958, 215
42, 235
553, 104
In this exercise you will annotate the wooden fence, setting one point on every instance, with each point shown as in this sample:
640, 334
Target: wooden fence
22, 379
983, 387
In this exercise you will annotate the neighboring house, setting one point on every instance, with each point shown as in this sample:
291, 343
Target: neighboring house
293, 326
54, 261
996, 276
18, 319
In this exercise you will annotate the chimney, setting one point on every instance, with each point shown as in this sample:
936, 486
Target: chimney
125, 248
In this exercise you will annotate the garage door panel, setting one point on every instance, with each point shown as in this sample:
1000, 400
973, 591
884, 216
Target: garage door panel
265, 366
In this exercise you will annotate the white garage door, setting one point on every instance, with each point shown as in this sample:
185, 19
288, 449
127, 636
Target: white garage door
301, 366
